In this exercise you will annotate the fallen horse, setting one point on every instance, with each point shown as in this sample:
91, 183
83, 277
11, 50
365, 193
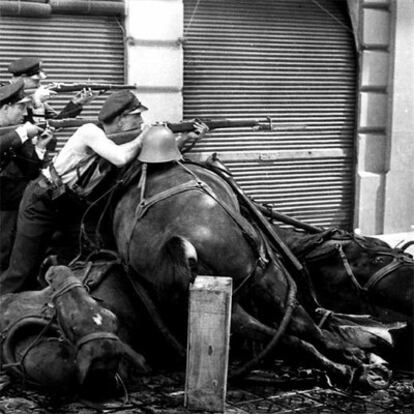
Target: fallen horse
63, 340
182, 220
60, 338
373, 278
339, 271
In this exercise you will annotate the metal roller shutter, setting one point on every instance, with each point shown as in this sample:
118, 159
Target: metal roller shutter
292, 60
73, 49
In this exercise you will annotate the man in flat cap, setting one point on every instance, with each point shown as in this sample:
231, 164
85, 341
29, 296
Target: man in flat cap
20, 160
54, 197
30, 70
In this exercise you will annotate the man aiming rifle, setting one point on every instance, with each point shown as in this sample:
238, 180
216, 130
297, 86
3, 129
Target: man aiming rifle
30, 70
20, 160
55, 197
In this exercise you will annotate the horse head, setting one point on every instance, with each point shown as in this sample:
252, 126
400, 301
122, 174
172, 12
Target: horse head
383, 273
371, 276
86, 324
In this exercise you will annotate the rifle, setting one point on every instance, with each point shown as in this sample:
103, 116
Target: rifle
55, 123
184, 126
258, 125
73, 87
118, 137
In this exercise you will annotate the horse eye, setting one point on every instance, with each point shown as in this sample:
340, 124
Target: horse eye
378, 260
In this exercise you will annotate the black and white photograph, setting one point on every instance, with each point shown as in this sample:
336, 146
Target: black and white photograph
206, 206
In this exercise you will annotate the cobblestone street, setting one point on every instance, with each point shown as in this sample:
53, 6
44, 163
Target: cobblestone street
260, 393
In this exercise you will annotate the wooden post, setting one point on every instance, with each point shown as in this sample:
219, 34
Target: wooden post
208, 343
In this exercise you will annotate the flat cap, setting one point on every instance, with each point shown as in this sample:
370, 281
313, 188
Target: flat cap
25, 66
13, 93
120, 102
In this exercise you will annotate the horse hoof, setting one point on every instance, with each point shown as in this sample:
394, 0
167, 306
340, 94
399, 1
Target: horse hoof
372, 377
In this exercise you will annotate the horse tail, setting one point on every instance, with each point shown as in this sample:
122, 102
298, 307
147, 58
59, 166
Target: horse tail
176, 265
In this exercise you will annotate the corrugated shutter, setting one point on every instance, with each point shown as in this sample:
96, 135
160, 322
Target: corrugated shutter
292, 60
73, 49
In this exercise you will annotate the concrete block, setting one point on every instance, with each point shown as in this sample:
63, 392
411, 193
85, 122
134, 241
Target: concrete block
369, 212
376, 27
166, 106
373, 110
376, 3
155, 66
375, 65
155, 19
372, 153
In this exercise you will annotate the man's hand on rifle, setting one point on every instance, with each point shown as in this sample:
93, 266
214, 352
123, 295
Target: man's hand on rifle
40, 95
30, 129
186, 141
200, 129
84, 96
46, 140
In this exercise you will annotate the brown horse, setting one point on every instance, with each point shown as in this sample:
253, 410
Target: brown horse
183, 220
60, 338
371, 277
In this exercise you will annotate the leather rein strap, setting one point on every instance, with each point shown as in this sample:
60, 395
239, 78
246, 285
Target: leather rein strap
192, 185
399, 259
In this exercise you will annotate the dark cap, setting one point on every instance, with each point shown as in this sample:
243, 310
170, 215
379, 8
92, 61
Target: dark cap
28, 66
13, 93
120, 102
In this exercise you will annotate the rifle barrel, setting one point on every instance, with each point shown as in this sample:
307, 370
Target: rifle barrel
73, 87
187, 126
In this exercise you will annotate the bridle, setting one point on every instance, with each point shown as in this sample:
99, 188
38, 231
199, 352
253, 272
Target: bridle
399, 259
48, 321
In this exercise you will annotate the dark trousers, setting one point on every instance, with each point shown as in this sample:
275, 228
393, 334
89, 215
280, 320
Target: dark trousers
8, 219
39, 216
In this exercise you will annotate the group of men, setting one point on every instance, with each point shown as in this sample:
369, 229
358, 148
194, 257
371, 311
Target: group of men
34, 192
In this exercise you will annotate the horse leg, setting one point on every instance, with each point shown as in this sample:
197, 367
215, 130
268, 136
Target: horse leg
247, 326
268, 294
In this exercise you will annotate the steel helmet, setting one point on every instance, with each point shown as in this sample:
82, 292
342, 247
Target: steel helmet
159, 145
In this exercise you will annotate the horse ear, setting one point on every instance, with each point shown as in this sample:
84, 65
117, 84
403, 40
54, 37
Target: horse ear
50, 261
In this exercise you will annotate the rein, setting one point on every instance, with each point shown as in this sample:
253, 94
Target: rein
95, 336
400, 258
198, 184
47, 323
193, 185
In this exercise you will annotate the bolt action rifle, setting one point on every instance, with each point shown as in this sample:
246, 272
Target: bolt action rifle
74, 87
258, 125
55, 123
179, 127
184, 126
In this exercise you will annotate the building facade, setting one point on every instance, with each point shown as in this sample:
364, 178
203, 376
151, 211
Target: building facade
351, 62
335, 77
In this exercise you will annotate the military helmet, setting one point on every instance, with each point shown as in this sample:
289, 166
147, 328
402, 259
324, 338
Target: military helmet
159, 145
